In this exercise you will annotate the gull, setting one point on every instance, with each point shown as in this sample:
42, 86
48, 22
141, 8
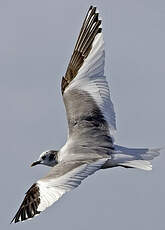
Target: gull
91, 125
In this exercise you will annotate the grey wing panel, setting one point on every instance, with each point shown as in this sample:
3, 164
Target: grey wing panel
86, 122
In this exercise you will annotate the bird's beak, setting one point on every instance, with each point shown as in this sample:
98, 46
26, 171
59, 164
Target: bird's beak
35, 163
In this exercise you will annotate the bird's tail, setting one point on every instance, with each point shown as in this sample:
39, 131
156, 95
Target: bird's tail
133, 157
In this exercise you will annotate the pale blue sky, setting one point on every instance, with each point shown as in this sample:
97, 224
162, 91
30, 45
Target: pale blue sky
36, 42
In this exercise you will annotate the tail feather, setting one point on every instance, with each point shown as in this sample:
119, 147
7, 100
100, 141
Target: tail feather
133, 157
139, 153
139, 164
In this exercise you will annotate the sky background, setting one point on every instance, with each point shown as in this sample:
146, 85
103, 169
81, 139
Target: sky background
36, 42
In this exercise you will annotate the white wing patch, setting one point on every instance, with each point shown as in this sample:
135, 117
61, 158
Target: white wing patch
91, 78
51, 189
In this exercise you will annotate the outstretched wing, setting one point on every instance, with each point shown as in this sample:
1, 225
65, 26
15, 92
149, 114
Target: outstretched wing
61, 179
84, 87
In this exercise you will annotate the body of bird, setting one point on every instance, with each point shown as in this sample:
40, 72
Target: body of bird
91, 121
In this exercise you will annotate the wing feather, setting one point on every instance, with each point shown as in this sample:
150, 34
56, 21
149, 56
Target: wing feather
62, 178
89, 75
88, 32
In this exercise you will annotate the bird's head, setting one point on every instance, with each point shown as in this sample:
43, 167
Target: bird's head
48, 158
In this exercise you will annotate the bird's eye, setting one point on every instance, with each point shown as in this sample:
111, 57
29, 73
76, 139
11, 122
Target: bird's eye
44, 157
51, 157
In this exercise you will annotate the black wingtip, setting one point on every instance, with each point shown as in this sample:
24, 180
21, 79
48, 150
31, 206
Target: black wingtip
90, 28
90, 7
28, 208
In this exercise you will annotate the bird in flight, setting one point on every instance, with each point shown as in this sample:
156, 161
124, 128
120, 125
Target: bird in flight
91, 121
